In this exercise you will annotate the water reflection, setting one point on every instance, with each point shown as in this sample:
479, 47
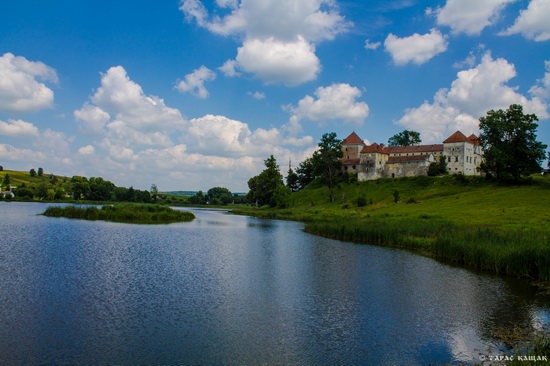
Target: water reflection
227, 289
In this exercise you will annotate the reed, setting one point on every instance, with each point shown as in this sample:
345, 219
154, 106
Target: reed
518, 253
127, 213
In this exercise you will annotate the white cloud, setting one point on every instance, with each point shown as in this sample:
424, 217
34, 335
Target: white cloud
86, 150
315, 20
542, 89
93, 119
194, 82
20, 91
257, 95
278, 35
273, 61
337, 102
470, 16
18, 128
533, 22
229, 68
13, 154
417, 48
372, 45
474, 92
120, 111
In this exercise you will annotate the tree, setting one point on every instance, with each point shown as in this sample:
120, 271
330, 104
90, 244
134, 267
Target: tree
154, 192
263, 186
198, 198
40, 172
219, 196
6, 182
1, 168
32, 172
509, 141
327, 162
292, 180
405, 138
305, 172
438, 168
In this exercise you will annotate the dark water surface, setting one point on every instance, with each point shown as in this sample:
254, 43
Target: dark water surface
236, 290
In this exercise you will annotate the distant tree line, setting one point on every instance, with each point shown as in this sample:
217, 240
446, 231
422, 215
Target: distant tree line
217, 196
77, 188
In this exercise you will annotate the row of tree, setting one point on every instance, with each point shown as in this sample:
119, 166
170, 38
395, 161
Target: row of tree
218, 196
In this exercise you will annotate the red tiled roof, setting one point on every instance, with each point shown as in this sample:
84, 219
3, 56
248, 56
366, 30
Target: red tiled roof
375, 148
473, 139
353, 139
416, 149
406, 159
456, 137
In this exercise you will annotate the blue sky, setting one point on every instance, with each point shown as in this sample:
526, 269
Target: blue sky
194, 94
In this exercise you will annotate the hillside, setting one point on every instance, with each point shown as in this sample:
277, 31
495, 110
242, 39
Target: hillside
468, 201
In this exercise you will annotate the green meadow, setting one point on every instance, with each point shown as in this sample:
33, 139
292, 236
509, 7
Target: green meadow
481, 224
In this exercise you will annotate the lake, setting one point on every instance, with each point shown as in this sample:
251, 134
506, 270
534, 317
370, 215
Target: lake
227, 289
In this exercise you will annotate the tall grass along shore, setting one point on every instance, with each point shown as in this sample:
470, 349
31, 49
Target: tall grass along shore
126, 213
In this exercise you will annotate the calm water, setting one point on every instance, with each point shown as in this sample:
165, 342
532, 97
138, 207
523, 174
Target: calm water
236, 290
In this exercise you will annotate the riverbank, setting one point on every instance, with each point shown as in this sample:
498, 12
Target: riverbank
125, 213
469, 221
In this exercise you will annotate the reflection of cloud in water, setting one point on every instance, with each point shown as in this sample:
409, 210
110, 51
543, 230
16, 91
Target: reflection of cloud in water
464, 343
540, 319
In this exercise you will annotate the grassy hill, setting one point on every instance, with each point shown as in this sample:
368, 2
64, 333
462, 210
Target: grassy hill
503, 229
18, 178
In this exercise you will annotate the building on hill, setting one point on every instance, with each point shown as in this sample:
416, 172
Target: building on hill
375, 161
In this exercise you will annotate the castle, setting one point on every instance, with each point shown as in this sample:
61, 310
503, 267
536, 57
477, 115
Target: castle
463, 156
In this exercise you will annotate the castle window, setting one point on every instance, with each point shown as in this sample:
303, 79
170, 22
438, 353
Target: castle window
448, 159
456, 159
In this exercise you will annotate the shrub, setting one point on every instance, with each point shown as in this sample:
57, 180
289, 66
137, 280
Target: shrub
361, 202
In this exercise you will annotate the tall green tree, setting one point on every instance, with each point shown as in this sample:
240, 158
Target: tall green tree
6, 181
510, 147
40, 172
305, 172
262, 187
405, 138
32, 172
219, 196
326, 161
292, 180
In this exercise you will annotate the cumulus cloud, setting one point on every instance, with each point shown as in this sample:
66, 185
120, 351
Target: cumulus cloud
93, 119
542, 88
20, 90
121, 112
9, 153
337, 102
533, 22
137, 135
474, 92
257, 95
417, 48
86, 150
194, 82
470, 16
18, 128
289, 63
372, 45
278, 35
229, 68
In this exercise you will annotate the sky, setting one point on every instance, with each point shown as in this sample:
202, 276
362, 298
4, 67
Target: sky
195, 94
